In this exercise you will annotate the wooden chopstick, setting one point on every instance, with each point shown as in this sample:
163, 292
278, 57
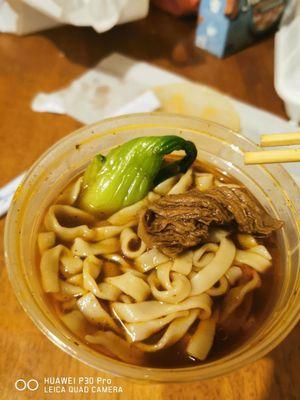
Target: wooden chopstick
275, 156
280, 139
272, 156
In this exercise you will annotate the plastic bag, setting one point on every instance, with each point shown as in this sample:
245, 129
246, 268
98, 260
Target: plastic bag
26, 16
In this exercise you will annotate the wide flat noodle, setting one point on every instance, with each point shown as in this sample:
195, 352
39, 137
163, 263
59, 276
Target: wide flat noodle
202, 340
65, 233
236, 295
70, 289
91, 270
208, 276
117, 346
68, 234
204, 255
82, 248
151, 259
76, 322
128, 214
139, 331
183, 263
70, 265
131, 285
246, 240
126, 299
118, 259
184, 183
220, 289
204, 181
71, 193
175, 286
175, 331
108, 231
165, 186
151, 196
95, 313
108, 292
148, 310
262, 251
46, 240
75, 280
127, 237
255, 260
234, 274
49, 268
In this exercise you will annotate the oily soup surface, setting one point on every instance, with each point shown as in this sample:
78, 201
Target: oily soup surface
95, 270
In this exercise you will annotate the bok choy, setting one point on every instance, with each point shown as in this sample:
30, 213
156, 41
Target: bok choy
131, 170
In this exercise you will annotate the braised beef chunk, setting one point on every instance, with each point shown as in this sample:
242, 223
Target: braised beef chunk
176, 222
249, 215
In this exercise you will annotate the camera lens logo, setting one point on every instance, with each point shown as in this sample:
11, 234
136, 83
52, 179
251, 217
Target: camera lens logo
22, 384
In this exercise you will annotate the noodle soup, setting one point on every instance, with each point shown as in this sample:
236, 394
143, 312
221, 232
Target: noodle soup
140, 286
216, 146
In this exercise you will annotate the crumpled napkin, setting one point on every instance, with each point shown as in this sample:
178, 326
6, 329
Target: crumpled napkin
95, 95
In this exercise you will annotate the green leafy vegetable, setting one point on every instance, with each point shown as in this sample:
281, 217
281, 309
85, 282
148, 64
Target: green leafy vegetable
129, 172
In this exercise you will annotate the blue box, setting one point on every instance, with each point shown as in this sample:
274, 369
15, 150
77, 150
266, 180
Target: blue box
226, 26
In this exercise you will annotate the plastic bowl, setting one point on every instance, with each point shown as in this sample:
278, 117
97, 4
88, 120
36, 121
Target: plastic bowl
216, 145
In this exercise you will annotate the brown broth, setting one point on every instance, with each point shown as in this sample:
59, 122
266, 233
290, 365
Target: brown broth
175, 356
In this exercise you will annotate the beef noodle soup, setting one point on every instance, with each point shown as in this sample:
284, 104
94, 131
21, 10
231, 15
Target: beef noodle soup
176, 278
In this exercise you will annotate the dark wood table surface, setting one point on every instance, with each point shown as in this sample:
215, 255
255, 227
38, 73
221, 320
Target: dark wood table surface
49, 60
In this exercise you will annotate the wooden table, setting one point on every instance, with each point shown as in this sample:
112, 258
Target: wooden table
50, 60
